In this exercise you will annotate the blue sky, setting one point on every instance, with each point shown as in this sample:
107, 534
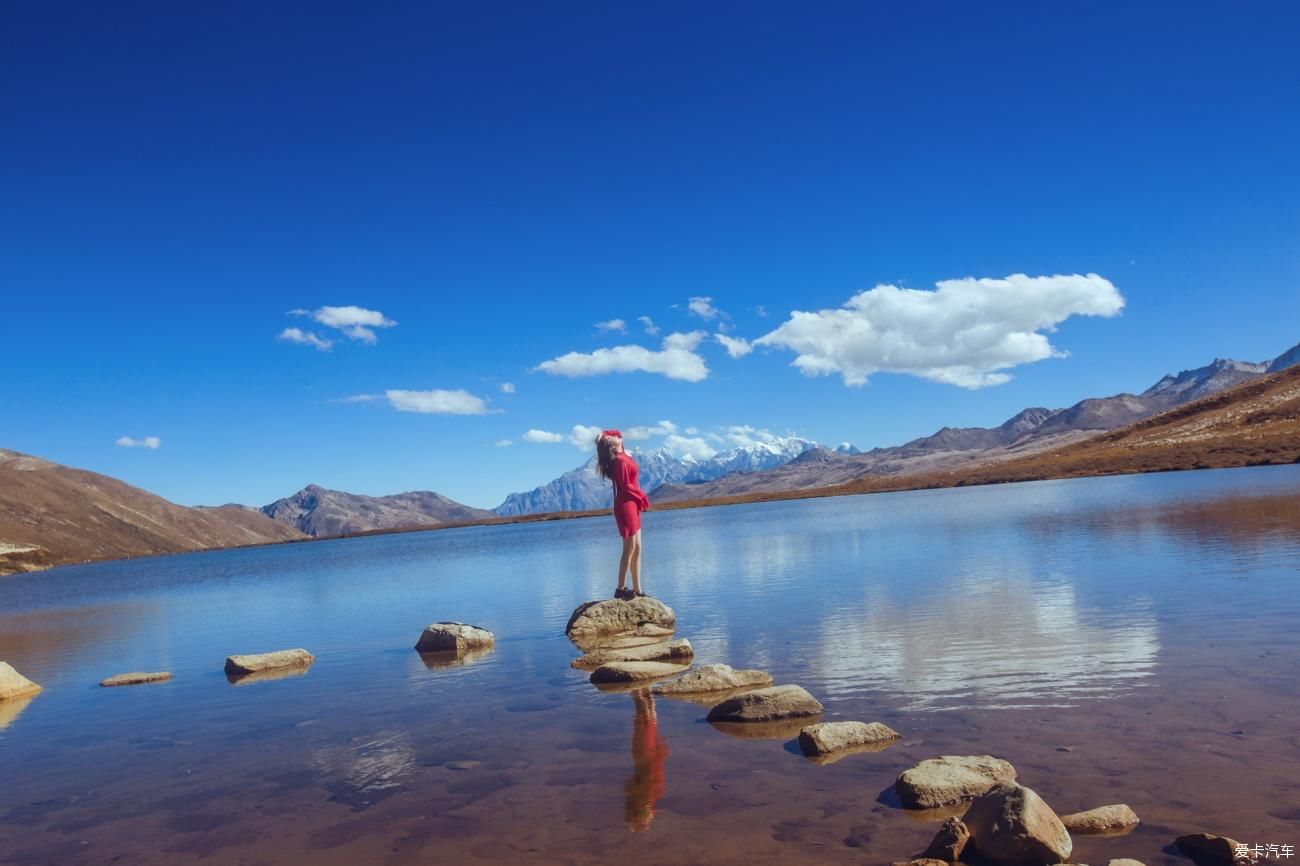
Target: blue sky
496, 179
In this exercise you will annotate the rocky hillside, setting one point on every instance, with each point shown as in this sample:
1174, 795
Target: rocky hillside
1028, 432
52, 515
581, 489
1253, 424
321, 513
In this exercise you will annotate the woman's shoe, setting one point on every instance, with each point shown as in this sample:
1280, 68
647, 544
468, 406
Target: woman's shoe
624, 594
637, 594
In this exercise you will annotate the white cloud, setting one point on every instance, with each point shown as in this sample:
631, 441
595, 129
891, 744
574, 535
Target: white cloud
613, 325
689, 446
703, 307
663, 428
735, 346
504, 443
741, 435
150, 442
761, 311
962, 333
507, 387
356, 323
360, 398
650, 327
437, 402
677, 359
581, 436
305, 338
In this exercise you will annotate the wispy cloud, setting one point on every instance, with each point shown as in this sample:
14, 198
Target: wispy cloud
355, 323
663, 428
582, 436
507, 387
504, 443
437, 402
305, 338
962, 333
150, 442
703, 307
649, 324
615, 325
677, 359
735, 346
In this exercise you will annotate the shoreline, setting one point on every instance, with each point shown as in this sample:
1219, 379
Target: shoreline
888, 484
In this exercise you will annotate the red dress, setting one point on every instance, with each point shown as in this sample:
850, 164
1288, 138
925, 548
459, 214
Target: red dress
629, 499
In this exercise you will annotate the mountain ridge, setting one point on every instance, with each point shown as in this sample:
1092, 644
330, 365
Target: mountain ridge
321, 513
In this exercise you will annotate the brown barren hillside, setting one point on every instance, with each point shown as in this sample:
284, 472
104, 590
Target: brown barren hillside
1254, 424
52, 514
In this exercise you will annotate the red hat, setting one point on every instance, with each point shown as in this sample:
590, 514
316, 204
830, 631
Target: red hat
611, 433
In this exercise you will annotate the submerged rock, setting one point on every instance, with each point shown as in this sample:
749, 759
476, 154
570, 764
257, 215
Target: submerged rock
136, 678
1104, 819
949, 842
634, 672
920, 861
616, 616
1206, 849
780, 729
951, 779
454, 637
829, 737
715, 678
1124, 861
1011, 824
767, 705
676, 650
251, 664
15, 685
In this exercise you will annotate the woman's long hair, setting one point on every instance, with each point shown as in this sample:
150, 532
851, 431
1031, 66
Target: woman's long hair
606, 451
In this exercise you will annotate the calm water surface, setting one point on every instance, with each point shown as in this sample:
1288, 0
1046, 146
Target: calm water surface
1119, 640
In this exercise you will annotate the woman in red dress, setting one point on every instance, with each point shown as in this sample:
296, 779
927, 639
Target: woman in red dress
617, 465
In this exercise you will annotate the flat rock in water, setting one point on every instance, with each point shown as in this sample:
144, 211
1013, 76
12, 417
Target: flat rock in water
135, 678
949, 842
1103, 819
920, 861
677, 650
249, 664
767, 705
715, 678
454, 637
1206, 849
1012, 825
951, 779
634, 672
14, 684
616, 616
1124, 861
829, 737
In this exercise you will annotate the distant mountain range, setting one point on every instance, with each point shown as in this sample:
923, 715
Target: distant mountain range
52, 514
582, 489
1027, 432
319, 512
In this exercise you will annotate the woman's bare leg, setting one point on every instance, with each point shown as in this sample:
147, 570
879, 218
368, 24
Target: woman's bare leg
628, 545
636, 562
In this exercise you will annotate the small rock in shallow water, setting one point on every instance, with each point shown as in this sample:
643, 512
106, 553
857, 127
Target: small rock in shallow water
949, 842
634, 672
951, 779
827, 737
715, 678
248, 664
135, 678
767, 705
677, 650
1011, 824
14, 684
1124, 861
454, 637
1206, 849
921, 861
1103, 819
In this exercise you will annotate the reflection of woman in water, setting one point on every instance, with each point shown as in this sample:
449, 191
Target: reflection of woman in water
615, 464
649, 752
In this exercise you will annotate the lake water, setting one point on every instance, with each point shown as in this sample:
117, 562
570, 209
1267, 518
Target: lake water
1126, 639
